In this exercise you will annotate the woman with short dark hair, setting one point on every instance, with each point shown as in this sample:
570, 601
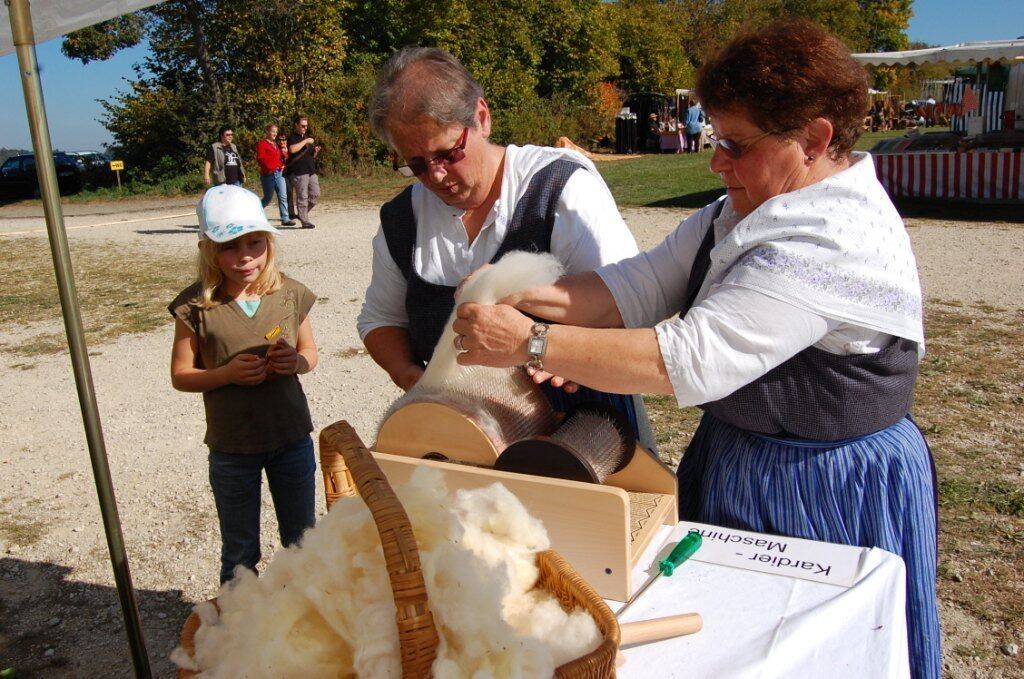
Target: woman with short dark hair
799, 326
223, 161
474, 201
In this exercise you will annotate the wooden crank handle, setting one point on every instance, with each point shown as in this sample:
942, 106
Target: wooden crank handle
646, 631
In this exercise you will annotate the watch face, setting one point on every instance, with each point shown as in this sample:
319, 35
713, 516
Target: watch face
536, 346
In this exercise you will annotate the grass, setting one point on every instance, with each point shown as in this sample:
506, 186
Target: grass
971, 399
17, 530
350, 352
121, 290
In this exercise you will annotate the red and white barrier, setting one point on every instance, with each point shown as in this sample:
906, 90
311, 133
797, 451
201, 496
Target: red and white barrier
967, 175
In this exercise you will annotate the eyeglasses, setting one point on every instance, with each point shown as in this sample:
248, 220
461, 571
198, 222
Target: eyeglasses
418, 166
736, 149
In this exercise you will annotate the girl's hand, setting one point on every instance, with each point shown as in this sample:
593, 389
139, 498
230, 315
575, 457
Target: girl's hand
282, 358
246, 370
493, 336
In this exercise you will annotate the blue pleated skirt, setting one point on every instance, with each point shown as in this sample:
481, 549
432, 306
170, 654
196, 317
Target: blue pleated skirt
873, 491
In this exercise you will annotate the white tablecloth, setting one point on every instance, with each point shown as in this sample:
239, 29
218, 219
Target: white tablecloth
767, 625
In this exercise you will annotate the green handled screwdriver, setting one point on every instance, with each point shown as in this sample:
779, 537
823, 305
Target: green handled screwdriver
683, 550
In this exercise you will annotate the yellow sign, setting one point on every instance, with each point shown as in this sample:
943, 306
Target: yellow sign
117, 165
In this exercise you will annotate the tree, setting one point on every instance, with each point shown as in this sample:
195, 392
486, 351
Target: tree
651, 57
886, 23
210, 64
548, 67
105, 39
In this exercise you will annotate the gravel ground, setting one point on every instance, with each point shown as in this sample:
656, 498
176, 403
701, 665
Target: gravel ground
57, 600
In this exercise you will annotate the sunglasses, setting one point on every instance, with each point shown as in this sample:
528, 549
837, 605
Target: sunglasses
736, 149
416, 167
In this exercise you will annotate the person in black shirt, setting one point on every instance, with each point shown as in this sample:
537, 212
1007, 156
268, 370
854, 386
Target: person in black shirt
301, 170
223, 162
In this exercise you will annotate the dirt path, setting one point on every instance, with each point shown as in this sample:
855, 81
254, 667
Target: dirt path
57, 601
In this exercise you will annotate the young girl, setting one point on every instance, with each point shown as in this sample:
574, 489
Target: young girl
241, 337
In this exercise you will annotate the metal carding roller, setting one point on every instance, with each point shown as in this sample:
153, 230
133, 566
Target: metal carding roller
592, 444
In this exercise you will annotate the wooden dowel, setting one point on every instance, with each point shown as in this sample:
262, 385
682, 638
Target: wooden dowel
646, 631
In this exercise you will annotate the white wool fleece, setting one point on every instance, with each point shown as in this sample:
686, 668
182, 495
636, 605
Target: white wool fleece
326, 608
515, 272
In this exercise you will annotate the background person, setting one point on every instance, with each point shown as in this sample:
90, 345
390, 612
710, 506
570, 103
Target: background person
282, 145
474, 202
241, 337
271, 162
653, 143
799, 326
694, 126
302, 150
223, 161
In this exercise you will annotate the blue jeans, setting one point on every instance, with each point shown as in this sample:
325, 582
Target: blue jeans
236, 479
275, 182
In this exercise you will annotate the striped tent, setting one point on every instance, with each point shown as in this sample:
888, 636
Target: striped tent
990, 107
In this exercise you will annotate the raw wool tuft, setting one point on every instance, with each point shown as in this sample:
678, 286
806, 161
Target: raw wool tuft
326, 608
515, 272
503, 402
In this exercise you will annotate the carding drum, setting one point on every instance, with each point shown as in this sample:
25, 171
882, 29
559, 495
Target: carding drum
593, 443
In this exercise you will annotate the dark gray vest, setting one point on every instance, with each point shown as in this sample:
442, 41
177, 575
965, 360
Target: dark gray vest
816, 395
428, 305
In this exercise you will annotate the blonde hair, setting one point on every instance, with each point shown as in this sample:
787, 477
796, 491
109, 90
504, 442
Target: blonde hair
211, 277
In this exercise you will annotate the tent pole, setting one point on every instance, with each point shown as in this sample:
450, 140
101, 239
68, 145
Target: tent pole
24, 41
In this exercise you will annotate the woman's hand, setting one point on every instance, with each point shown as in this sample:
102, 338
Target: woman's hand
246, 370
542, 376
494, 336
282, 358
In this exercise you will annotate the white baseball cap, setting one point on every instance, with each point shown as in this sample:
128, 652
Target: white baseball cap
227, 212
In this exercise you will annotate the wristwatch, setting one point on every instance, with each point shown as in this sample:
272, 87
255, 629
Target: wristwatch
536, 345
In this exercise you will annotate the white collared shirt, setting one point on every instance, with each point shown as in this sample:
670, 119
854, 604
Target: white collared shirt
588, 232
734, 334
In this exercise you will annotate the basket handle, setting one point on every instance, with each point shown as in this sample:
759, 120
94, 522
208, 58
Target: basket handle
417, 635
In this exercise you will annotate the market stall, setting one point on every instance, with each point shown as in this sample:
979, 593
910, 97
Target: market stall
983, 161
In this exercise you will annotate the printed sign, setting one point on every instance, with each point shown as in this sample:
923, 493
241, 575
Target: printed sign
117, 165
791, 557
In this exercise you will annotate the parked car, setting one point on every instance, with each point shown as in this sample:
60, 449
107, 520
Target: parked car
97, 168
18, 174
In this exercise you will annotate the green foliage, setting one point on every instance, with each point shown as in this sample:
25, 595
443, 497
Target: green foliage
103, 40
549, 68
651, 58
885, 23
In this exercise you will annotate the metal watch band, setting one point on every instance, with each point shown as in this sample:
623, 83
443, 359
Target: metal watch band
537, 345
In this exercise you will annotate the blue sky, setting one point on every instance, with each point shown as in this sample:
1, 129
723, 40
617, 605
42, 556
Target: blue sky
70, 89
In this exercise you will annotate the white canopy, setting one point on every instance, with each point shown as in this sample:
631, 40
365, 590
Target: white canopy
963, 53
52, 19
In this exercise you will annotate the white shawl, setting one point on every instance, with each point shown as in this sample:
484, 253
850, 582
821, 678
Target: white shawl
836, 248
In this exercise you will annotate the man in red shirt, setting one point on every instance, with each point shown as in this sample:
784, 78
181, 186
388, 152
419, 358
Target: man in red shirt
268, 155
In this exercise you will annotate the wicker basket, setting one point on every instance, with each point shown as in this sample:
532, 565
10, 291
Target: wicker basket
348, 468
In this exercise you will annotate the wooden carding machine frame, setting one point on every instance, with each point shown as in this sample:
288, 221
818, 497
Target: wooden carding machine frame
600, 529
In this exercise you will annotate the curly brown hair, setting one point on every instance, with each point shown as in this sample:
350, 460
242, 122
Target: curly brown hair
783, 76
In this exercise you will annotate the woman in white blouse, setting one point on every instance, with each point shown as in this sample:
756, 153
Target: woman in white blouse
794, 321
473, 202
